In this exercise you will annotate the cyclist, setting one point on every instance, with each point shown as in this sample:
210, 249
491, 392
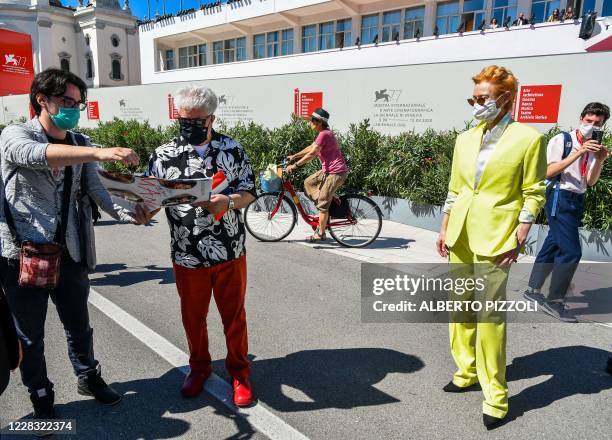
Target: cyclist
322, 185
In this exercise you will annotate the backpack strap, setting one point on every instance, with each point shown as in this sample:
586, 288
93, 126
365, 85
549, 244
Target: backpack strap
568, 145
10, 222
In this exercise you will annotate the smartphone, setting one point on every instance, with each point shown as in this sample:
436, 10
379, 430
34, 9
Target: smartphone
597, 136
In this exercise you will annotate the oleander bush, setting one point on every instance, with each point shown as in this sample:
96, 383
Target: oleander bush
413, 166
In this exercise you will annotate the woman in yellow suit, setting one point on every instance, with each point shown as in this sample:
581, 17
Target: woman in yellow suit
496, 190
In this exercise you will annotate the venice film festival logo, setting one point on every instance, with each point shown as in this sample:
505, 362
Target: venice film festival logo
387, 95
226, 100
11, 59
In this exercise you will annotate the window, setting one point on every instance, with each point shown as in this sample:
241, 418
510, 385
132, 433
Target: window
287, 42
344, 33
272, 44
241, 54
541, 10
309, 38
326, 35
169, 59
218, 52
202, 55
259, 46
588, 5
391, 25
447, 19
369, 28
413, 22
87, 40
89, 67
473, 14
502, 9
65, 64
116, 70
115, 40
229, 51
606, 9
188, 56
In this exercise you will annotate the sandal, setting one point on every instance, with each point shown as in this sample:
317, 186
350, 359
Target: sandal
317, 236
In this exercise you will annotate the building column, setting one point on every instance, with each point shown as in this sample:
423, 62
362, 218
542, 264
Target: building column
599, 7
45, 56
297, 39
249, 46
355, 29
158, 62
429, 21
209, 52
524, 6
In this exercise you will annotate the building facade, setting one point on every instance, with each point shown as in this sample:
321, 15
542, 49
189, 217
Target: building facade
97, 41
250, 30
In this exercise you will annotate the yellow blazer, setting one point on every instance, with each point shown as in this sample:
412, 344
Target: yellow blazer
512, 178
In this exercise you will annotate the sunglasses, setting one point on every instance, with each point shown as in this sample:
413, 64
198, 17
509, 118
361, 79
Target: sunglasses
195, 122
482, 99
478, 99
68, 102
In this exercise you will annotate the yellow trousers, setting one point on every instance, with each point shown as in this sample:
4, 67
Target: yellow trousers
479, 348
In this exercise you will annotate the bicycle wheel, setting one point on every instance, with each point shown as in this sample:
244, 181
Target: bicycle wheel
362, 225
267, 223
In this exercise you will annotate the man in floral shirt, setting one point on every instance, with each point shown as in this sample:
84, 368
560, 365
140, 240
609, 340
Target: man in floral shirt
208, 251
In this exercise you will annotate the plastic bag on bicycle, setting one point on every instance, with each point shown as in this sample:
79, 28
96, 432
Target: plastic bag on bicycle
269, 179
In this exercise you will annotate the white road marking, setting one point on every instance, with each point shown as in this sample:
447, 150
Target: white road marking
259, 417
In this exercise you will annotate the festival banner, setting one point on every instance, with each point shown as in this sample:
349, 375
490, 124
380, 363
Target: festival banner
16, 63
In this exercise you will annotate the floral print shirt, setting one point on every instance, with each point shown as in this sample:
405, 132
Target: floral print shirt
197, 239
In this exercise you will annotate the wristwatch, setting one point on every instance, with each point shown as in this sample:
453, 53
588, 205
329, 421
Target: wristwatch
230, 204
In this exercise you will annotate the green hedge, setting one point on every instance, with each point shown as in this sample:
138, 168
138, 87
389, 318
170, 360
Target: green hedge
413, 166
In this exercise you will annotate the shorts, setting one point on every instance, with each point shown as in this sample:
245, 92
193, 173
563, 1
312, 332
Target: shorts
321, 187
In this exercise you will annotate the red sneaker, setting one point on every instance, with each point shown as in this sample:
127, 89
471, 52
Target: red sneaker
243, 393
194, 383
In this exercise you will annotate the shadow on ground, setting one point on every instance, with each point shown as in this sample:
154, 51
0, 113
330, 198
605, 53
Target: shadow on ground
340, 378
379, 243
574, 370
146, 412
127, 276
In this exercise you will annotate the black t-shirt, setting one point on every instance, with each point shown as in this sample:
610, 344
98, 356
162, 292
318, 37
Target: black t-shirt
58, 174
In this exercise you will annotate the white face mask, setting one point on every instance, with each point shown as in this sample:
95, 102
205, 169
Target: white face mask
487, 112
586, 130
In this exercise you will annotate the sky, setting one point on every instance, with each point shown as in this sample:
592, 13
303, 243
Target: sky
139, 7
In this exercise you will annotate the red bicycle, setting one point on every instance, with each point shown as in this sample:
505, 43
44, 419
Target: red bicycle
355, 221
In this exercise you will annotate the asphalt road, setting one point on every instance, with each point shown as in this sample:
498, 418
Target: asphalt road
315, 365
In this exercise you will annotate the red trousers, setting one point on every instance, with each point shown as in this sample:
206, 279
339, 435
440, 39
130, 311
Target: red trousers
227, 282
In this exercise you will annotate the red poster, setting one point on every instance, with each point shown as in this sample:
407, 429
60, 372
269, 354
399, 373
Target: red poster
172, 110
93, 110
304, 103
16, 63
539, 104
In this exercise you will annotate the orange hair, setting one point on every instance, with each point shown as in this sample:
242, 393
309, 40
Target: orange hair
501, 79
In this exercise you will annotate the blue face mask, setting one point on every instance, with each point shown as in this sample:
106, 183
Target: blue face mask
66, 118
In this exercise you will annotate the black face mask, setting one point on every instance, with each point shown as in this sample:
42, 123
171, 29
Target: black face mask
195, 134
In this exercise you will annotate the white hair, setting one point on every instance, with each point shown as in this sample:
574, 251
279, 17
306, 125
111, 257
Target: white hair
194, 97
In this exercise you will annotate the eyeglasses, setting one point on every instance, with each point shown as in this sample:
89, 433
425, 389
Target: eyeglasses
68, 102
477, 99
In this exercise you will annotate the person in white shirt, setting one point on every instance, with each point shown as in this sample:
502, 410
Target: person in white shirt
575, 161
